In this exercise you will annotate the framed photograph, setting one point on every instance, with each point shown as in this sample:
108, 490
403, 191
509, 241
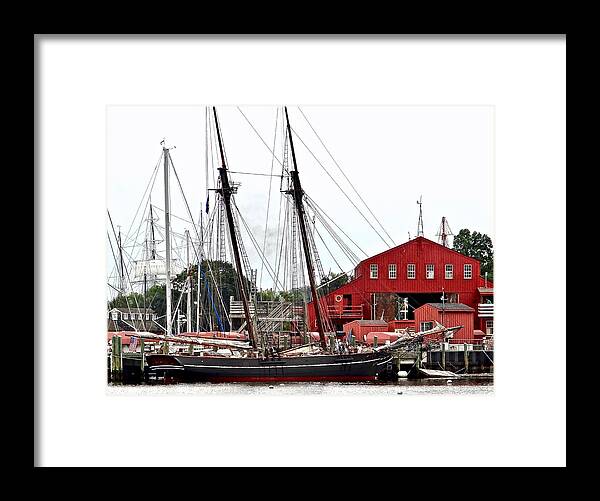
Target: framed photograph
287, 237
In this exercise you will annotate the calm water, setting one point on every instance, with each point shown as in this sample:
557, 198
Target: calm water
407, 387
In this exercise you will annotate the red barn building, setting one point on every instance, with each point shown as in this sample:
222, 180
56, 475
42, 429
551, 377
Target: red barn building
416, 272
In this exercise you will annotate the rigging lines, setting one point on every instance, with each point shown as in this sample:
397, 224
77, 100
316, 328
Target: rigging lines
344, 174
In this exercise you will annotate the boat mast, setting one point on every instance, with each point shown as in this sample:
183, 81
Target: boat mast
153, 240
145, 285
297, 193
167, 240
226, 191
189, 283
121, 272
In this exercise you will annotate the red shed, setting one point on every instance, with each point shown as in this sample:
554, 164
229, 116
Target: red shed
382, 338
401, 324
449, 315
360, 328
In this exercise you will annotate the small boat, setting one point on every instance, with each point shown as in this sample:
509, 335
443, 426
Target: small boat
420, 373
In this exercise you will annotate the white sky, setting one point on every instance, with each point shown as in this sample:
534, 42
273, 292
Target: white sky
391, 154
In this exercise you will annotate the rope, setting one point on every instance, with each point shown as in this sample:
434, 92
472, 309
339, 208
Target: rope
345, 177
341, 189
153, 176
198, 236
269, 196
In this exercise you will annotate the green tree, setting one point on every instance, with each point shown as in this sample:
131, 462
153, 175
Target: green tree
268, 295
476, 245
336, 280
221, 272
296, 295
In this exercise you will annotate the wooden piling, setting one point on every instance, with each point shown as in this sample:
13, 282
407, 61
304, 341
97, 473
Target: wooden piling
466, 358
418, 361
143, 357
443, 353
116, 359
374, 341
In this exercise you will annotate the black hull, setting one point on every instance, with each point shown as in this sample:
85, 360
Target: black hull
353, 367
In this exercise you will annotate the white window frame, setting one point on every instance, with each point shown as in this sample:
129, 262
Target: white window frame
115, 315
411, 269
422, 324
373, 271
392, 271
147, 316
449, 271
489, 327
427, 270
124, 316
468, 266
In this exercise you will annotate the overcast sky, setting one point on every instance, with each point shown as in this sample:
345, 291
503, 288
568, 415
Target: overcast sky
392, 155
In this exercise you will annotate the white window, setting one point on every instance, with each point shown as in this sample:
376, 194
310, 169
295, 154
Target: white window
125, 316
140, 316
374, 271
449, 271
147, 316
392, 271
489, 327
411, 271
425, 326
153, 316
468, 271
115, 315
429, 271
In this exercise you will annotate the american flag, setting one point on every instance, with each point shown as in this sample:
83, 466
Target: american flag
133, 342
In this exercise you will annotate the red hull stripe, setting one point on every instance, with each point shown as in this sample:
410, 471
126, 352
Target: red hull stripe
267, 379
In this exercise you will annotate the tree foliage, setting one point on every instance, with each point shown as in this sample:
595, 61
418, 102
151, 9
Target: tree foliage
476, 245
336, 280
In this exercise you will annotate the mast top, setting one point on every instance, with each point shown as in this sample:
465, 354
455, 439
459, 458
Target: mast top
163, 143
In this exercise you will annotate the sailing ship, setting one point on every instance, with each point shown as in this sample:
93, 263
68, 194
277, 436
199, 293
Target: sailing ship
257, 360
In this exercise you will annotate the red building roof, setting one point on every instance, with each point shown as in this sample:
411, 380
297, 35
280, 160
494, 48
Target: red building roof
450, 307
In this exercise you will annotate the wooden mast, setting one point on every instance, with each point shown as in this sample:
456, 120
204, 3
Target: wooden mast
226, 191
167, 242
297, 193
189, 284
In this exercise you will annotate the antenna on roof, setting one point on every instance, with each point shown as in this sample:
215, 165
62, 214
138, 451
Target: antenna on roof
420, 223
444, 232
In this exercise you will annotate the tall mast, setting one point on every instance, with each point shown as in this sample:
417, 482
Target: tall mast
226, 191
153, 240
167, 239
297, 193
420, 232
145, 261
189, 283
444, 232
121, 272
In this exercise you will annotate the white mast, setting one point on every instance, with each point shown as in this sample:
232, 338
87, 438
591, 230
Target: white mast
167, 239
189, 284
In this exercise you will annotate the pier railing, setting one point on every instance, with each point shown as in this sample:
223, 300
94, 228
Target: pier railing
485, 310
345, 312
